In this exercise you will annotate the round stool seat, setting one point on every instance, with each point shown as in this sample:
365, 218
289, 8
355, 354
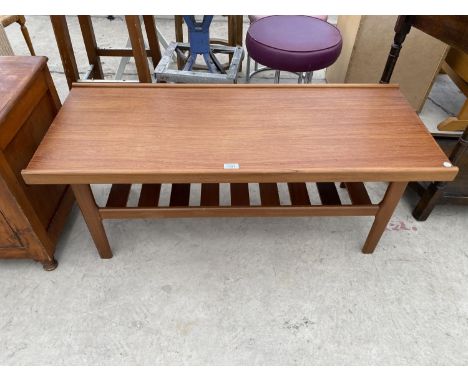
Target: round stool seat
293, 43
253, 18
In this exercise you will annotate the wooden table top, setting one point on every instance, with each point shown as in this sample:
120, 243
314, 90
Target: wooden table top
143, 133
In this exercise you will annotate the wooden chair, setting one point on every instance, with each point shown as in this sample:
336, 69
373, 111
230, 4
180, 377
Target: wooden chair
94, 52
5, 47
21, 20
456, 66
453, 30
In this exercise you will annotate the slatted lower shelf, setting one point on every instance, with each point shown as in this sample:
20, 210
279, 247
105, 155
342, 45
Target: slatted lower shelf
149, 204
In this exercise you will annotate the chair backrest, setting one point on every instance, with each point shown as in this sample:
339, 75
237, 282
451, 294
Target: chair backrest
5, 47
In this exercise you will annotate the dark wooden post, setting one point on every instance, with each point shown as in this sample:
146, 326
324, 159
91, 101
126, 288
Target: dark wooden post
436, 189
402, 28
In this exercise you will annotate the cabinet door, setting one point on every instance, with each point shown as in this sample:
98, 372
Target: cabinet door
8, 238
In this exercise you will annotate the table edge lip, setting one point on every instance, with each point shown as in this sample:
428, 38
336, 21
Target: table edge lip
111, 84
234, 176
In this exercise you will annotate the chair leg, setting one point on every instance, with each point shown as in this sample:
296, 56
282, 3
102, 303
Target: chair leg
138, 48
428, 201
247, 70
308, 77
153, 41
179, 33
277, 76
436, 189
25, 32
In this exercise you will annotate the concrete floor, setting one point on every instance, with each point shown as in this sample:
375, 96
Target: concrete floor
289, 291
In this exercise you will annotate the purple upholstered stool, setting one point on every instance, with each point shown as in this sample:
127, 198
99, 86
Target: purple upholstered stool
298, 44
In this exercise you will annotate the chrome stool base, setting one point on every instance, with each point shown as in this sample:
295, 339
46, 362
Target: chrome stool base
303, 77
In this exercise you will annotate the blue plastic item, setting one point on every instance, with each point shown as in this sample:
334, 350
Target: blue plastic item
199, 39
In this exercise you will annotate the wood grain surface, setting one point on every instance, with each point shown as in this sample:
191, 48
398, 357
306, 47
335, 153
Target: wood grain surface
13, 86
186, 133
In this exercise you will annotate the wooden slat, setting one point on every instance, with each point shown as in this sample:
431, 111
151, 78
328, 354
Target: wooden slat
149, 195
209, 194
118, 195
240, 194
251, 211
358, 193
328, 194
180, 195
269, 194
121, 52
298, 194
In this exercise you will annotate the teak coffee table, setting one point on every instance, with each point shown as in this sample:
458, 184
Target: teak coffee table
210, 134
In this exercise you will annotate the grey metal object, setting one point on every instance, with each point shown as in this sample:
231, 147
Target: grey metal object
125, 60
302, 77
277, 76
163, 73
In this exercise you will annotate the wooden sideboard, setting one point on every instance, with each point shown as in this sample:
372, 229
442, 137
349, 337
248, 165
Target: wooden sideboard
31, 217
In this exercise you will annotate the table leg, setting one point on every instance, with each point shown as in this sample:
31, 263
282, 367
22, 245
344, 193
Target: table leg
84, 197
392, 196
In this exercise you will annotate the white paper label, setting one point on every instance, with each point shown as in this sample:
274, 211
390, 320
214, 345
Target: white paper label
231, 166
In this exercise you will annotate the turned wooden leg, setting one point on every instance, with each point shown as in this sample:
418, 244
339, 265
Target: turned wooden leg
84, 197
25, 32
402, 28
394, 192
49, 265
